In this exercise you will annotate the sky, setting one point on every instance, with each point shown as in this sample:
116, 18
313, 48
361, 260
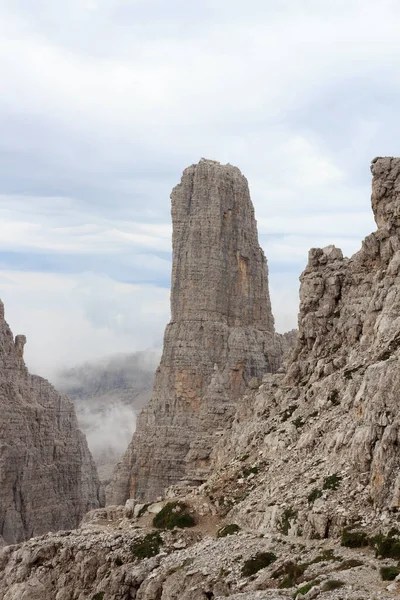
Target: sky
103, 104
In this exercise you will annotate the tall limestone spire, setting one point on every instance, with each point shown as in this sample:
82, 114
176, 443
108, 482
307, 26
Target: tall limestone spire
221, 334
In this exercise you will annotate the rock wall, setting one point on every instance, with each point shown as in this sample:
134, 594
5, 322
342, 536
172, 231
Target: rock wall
323, 440
310, 453
221, 334
47, 476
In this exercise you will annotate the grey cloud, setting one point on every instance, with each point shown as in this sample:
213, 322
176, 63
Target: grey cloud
104, 102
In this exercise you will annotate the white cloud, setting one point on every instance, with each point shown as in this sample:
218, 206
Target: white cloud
103, 104
70, 319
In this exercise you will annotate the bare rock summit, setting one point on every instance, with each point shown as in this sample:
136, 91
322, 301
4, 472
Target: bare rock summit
221, 334
48, 479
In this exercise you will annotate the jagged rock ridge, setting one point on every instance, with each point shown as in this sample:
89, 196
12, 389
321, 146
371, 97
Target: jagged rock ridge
221, 334
336, 413
48, 479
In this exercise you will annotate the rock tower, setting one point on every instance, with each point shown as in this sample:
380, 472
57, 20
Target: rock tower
48, 479
220, 337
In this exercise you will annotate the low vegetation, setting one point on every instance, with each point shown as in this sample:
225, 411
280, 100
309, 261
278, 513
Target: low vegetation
258, 562
332, 482
325, 556
174, 514
313, 495
332, 584
387, 546
147, 546
389, 573
288, 515
354, 539
305, 588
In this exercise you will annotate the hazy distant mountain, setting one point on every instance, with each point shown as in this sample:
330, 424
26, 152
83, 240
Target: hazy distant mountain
107, 394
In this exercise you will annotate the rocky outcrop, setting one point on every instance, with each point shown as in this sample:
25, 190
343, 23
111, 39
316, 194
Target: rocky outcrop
107, 395
310, 460
103, 563
221, 334
323, 440
47, 476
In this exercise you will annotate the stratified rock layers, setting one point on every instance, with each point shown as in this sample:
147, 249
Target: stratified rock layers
335, 415
48, 479
220, 336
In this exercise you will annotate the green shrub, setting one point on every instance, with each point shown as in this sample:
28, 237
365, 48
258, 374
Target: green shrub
305, 588
354, 539
118, 562
387, 546
147, 546
284, 524
332, 482
325, 556
258, 562
173, 514
230, 529
313, 495
332, 584
98, 596
389, 573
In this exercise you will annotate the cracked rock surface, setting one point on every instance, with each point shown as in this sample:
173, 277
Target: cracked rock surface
221, 334
48, 479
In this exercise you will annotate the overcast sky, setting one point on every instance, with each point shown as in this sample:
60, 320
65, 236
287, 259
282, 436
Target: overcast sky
104, 102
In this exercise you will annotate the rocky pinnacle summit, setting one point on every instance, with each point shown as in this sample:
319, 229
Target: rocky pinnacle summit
221, 334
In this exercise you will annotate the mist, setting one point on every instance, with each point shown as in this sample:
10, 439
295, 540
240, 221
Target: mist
108, 393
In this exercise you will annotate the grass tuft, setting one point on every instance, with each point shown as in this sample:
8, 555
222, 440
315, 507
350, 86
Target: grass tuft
147, 546
173, 514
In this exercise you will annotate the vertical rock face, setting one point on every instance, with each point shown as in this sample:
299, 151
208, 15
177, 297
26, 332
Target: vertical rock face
336, 413
47, 476
220, 336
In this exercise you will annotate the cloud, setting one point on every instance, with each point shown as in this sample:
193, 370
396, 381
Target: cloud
103, 104
71, 319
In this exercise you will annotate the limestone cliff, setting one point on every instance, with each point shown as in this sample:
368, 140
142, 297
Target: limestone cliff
221, 334
47, 476
306, 477
324, 439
